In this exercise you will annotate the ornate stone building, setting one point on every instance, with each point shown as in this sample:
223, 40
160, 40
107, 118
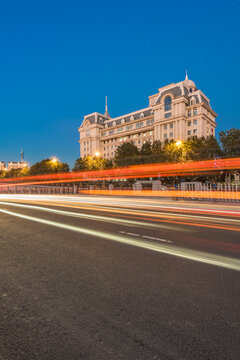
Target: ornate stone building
177, 112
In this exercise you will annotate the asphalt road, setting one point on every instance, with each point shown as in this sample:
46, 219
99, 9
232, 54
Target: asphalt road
93, 278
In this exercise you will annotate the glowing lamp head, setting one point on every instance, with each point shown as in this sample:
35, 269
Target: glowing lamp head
54, 160
178, 143
97, 154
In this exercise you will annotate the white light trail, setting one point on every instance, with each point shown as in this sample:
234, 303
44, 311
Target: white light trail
199, 256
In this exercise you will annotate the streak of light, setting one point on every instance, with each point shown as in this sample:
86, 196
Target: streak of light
85, 216
194, 255
136, 171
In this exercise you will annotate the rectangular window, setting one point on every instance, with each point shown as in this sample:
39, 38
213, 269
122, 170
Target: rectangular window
120, 129
194, 111
194, 122
111, 132
137, 125
189, 112
129, 127
165, 127
189, 123
139, 134
168, 115
148, 122
171, 134
165, 136
189, 132
141, 124
195, 131
171, 126
152, 120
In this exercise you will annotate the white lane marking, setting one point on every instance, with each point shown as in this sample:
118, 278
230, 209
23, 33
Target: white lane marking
146, 237
158, 239
128, 233
195, 255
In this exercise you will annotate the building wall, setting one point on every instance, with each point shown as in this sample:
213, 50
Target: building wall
2, 166
16, 165
189, 114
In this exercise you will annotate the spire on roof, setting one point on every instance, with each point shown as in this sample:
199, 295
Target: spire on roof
106, 110
186, 78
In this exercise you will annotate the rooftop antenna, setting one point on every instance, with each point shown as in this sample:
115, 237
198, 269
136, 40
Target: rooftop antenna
22, 155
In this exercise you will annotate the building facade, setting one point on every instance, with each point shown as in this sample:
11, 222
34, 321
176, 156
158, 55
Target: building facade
176, 112
2, 166
16, 165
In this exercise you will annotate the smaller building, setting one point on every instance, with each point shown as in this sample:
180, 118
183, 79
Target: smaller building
14, 165
2, 166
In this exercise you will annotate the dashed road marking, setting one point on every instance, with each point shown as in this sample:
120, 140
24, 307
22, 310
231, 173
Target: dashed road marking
147, 237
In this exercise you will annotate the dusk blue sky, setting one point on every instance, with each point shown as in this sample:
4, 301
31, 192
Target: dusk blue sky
60, 58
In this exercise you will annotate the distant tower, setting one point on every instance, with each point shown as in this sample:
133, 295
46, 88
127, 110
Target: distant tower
106, 110
186, 78
22, 155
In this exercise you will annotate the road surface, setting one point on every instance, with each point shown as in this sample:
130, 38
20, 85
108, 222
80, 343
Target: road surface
118, 278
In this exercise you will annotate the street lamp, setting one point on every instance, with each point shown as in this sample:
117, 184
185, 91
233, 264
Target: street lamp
54, 160
178, 143
97, 154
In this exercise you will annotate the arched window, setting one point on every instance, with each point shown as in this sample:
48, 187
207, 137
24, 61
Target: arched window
168, 103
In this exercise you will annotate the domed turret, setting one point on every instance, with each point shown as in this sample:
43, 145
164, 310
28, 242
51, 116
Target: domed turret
189, 84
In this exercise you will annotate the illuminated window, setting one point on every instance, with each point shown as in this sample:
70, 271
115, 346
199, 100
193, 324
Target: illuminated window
168, 103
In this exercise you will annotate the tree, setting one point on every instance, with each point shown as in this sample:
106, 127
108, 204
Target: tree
92, 163
171, 152
230, 142
80, 165
201, 148
16, 173
126, 154
211, 148
48, 166
157, 152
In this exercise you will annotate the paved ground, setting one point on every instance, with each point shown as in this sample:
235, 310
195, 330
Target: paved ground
88, 279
